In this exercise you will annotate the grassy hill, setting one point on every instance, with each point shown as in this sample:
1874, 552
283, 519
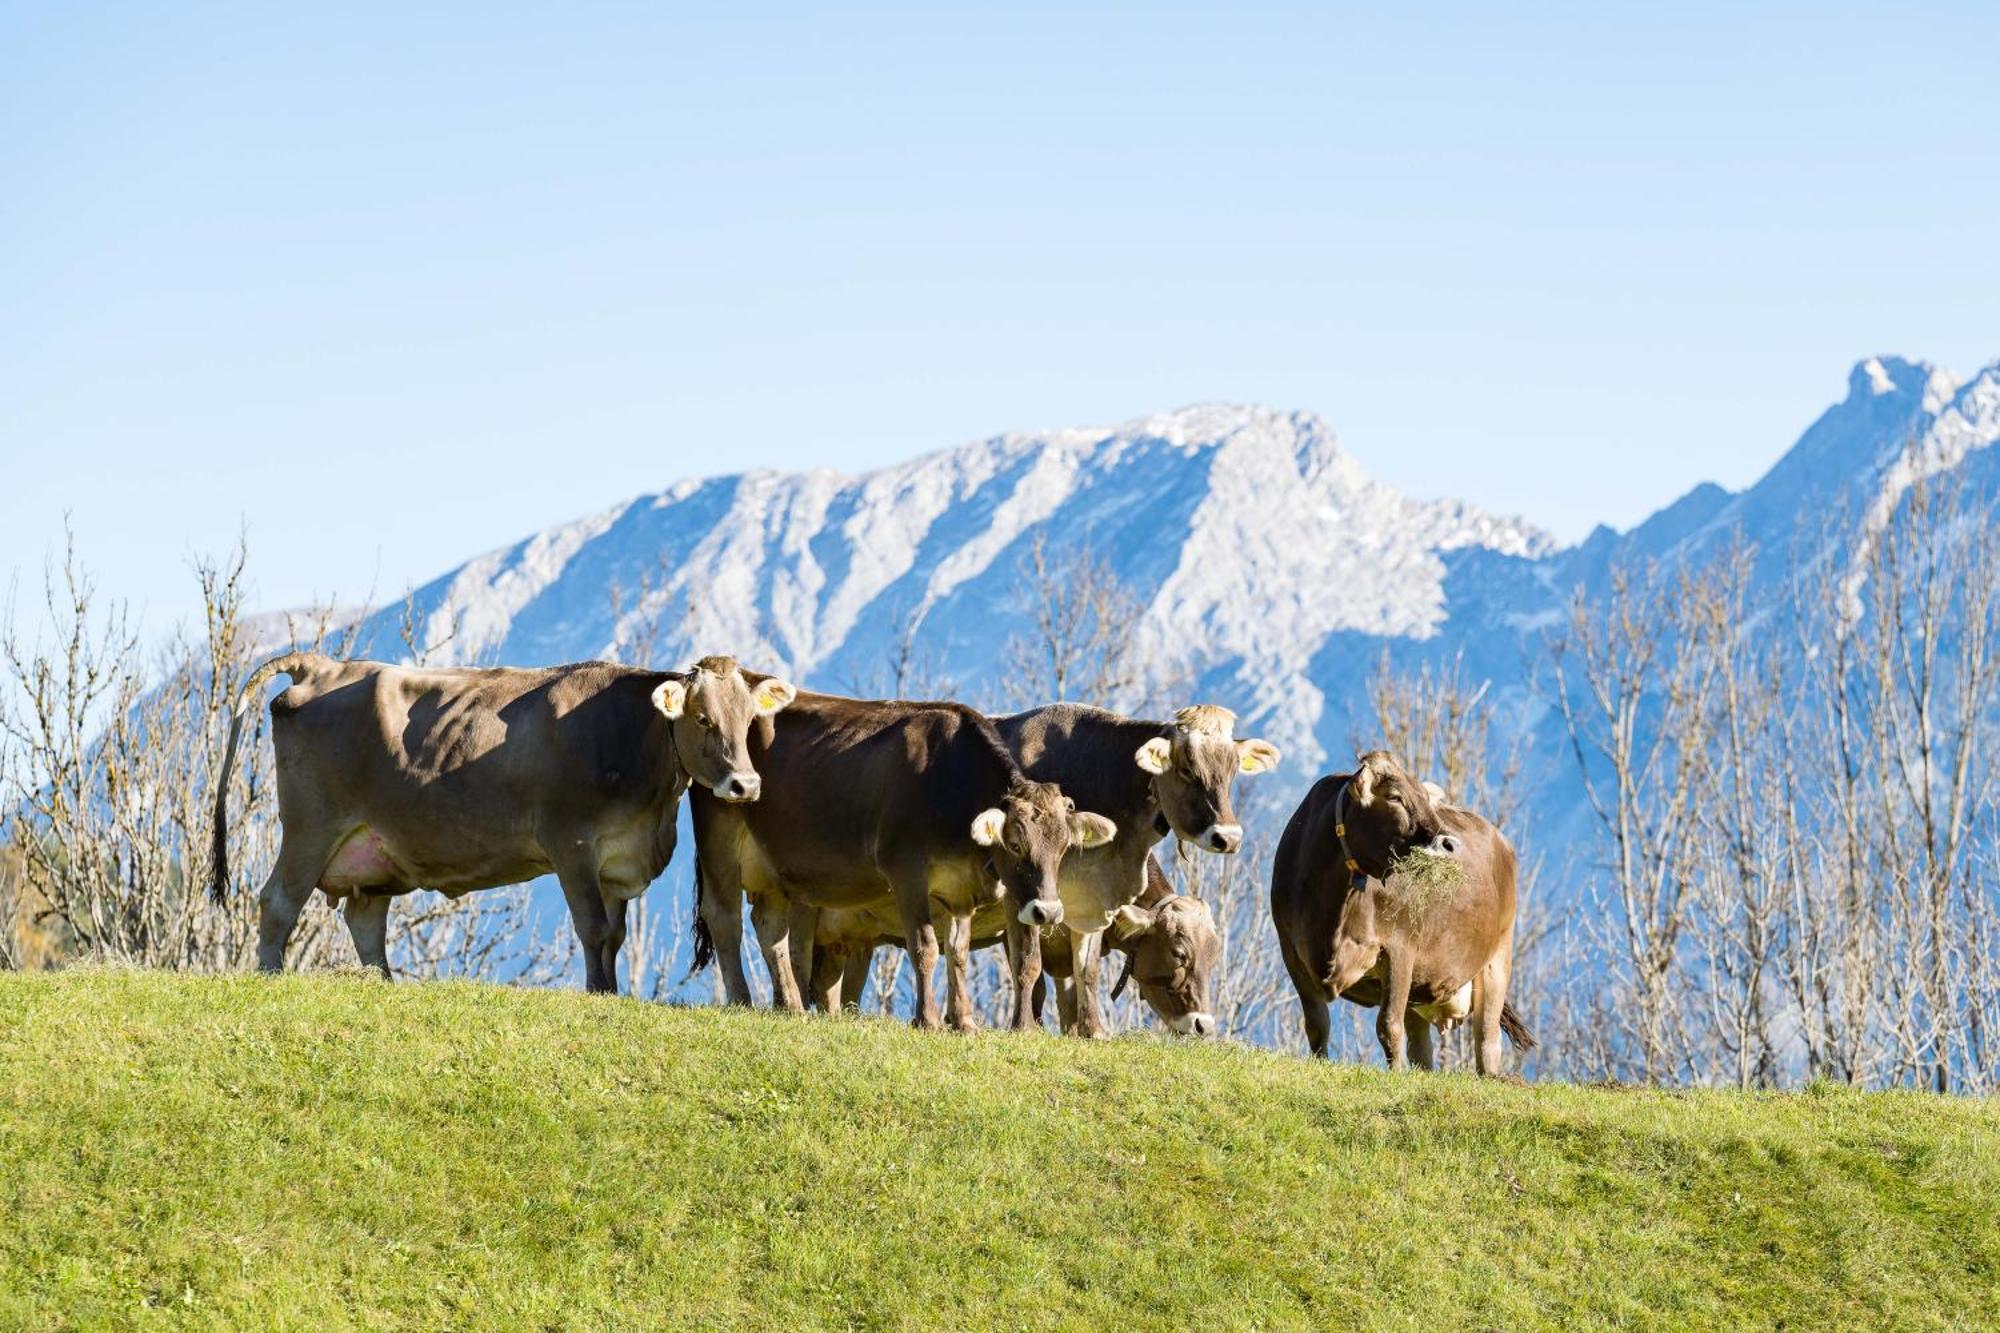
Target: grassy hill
307, 1151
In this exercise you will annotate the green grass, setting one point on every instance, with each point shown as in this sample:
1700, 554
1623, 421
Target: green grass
313, 1152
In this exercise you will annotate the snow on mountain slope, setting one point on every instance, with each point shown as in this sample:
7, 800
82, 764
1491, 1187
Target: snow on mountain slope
1249, 535
1273, 571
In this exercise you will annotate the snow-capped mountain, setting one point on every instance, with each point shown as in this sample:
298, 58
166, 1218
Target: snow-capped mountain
1249, 535
1273, 572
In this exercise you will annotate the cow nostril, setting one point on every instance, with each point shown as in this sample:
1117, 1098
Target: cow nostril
1203, 1025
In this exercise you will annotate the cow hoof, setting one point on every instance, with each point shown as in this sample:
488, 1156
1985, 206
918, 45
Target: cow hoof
927, 1023
965, 1025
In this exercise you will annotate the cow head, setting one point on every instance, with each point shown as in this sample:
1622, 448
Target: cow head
710, 709
1172, 948
1389, 814
1029, 832
1194, 766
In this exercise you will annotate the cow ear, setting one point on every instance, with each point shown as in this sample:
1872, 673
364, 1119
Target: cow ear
1256, 756
1087, 830
670, 697
772, 695
988, 826
1128, 923
1155, 754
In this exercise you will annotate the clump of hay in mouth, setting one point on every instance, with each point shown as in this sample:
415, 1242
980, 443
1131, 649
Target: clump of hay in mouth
1426, 878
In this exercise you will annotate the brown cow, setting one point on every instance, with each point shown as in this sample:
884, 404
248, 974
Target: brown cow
1350, 927
393, 778
918, 803
1170, 942
1153, 778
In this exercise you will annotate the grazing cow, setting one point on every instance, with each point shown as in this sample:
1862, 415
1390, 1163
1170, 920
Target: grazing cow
1152, 778
395, 778
1350, 926
917, 803
1169, 939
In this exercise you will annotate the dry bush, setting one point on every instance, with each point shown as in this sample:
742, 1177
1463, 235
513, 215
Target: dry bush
109, 756
1796, 816
1081, 646
110, 766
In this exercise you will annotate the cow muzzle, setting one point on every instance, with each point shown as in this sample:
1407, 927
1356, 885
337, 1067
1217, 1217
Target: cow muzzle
1443, 845
1224, 838
1039, 913
1193, 1025
739, 788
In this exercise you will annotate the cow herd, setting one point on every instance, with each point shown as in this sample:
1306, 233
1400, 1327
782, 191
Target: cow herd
848, 825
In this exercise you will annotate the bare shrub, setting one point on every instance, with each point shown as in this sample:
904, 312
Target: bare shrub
110, 765
1080, 647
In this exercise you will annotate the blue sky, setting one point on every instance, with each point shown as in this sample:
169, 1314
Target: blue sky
394, 288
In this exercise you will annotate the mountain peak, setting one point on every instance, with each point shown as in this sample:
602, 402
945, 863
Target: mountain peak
1882, 376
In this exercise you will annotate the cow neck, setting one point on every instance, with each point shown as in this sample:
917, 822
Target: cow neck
682, 776
1129, 735
987, 749
1098, 751
1356, 876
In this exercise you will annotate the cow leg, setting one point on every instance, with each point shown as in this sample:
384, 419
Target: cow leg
1489, 999
1389, 1021
1312, 1001
959, 1012
1086, 957
772, 920
290, 883
615, 910
1422, 1053
803, 930
1024, 963
368, 922
1059, 963
1066, 1005
829, 971
586, 913
854, 978
920, 936
1318, 1019
724, 919
721, 909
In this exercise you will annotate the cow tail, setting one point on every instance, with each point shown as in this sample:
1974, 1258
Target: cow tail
291, 664
1516, 1030
704, 942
